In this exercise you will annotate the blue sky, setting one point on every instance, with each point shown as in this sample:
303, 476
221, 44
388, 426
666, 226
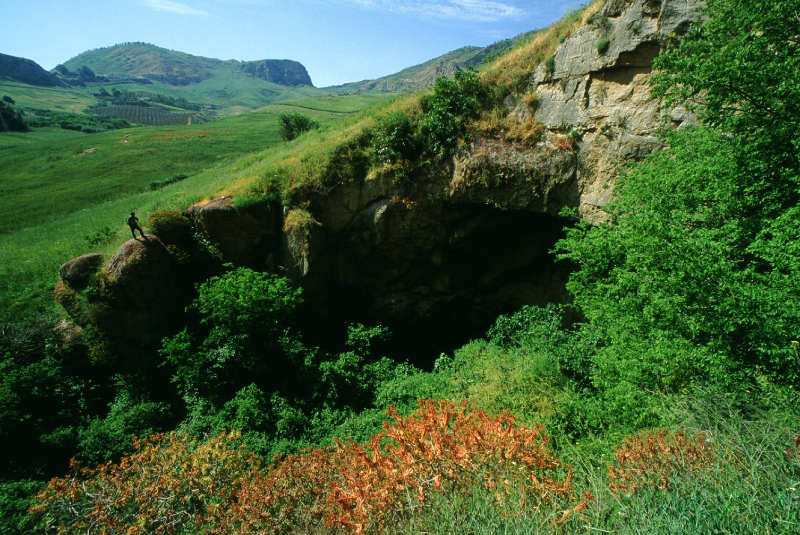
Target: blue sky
338, 41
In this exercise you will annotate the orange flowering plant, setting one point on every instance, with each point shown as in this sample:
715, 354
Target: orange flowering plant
170, 484
653, 457
175, 484
442, 447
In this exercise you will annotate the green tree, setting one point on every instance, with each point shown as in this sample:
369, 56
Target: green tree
293, 124
245, 335
11, 119
741, 68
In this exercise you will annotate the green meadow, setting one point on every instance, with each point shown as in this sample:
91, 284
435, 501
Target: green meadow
64, 193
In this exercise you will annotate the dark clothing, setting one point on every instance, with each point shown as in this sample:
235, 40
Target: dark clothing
133, 223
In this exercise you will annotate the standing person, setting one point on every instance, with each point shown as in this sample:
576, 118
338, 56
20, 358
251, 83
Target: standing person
133, 222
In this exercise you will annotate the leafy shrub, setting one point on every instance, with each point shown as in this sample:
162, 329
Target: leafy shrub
453, 103
101, 235
293, 124
171, 227
396, 138
550, 64
672, 314
131, 414
10, 118
603, 44
246, 336
15, 499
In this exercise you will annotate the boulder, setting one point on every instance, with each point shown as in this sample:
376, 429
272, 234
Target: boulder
248, 237
78, 272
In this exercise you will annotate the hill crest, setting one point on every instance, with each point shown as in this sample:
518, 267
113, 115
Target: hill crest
147, 61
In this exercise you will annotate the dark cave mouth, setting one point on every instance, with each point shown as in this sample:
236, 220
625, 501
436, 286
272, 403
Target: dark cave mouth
491, 262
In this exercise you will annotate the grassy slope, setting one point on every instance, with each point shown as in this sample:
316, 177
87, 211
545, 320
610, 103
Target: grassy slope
55, 195
27, 96
233, 92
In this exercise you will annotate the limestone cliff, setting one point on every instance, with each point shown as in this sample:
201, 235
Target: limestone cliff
278, 71
471, 239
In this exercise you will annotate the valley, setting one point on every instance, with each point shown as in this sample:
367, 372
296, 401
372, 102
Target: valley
552, 293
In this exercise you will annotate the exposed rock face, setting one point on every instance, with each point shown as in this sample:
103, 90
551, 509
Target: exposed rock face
79, 271
278, 71
248, 237
459, 244
603, 94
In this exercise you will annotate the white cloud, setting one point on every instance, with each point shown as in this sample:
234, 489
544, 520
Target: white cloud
465, 10
172, 7
473, 10
468, 10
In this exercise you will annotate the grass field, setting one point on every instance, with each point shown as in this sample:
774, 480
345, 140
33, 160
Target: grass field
27, 96
61, 190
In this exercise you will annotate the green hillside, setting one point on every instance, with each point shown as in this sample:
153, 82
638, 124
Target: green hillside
64, 191
229, 87
140, 60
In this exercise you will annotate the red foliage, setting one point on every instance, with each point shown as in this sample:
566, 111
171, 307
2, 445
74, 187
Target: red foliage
441, 447
652, 457
170, 484
174, 484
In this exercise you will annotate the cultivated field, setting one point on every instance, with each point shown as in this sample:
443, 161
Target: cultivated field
144, 115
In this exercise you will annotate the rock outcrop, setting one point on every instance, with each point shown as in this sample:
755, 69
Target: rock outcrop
599, 90
248, 237
131, 304
278, 71
145, 293
79, 272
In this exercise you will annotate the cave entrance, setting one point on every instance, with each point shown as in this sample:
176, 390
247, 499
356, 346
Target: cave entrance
477, 263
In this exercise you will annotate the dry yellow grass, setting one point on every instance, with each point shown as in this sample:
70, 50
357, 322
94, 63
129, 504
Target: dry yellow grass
527, 57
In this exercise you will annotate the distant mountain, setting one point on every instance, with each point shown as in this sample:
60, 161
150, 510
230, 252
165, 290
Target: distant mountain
150, 62
424, 75
26, 71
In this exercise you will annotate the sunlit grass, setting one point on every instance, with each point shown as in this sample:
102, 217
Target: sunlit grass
525, 58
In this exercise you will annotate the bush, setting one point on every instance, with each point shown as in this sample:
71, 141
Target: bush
396, 138
452, 105
171, 227
15, 499
293, 124
246, 335
603, 44
10, 118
